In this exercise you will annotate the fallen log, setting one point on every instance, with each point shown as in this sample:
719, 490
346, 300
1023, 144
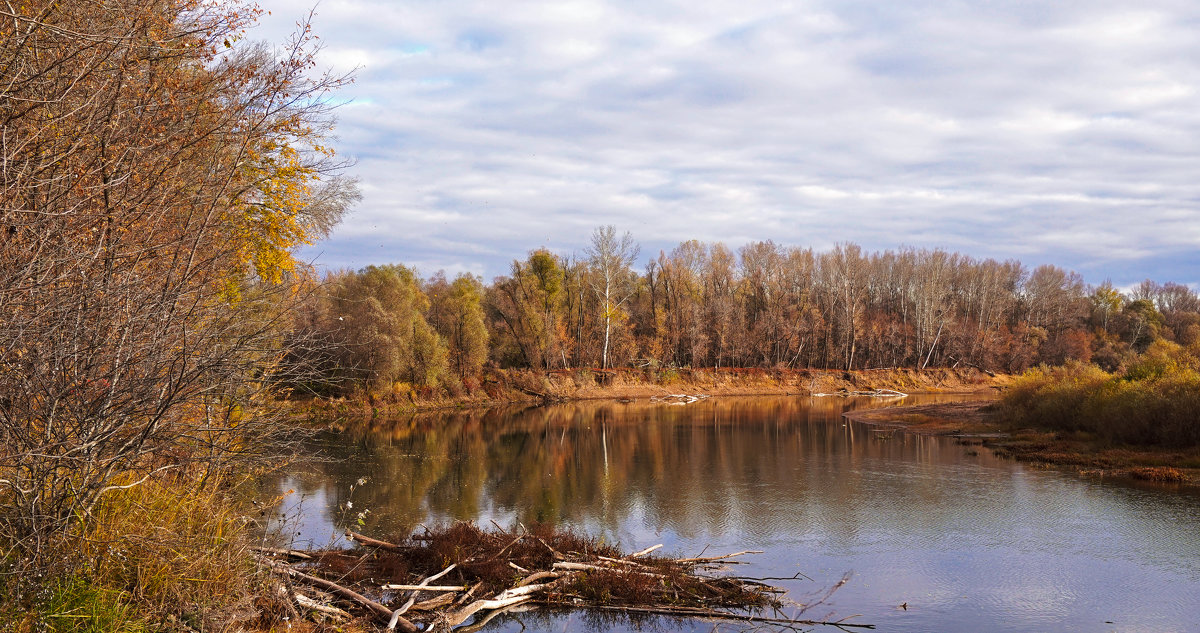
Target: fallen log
435, 602
507, 598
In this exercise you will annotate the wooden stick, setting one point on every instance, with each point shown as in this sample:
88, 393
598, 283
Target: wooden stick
553, 551
370, 542
378, 609
505, 549
290, 553
586, 567
645, 551
470, 592
313, 605
435, 602
580, 567
426, 587
620, 561
541, 575
412, 599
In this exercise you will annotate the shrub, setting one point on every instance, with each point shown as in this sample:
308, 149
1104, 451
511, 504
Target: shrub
1153, 402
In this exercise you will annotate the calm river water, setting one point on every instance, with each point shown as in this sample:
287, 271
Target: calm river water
968, 541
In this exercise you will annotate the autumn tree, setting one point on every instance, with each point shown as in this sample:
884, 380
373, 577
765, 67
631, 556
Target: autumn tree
526, 309
159, 172
678, 289
456, 312
373, 321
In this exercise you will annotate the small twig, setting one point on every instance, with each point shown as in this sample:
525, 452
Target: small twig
709, 559
553, 551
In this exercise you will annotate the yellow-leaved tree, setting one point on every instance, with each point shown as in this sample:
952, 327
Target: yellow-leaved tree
159, 172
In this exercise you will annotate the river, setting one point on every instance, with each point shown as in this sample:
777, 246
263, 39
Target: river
933, 535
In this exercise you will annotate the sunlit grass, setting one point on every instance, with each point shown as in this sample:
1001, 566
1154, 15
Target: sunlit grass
161, 552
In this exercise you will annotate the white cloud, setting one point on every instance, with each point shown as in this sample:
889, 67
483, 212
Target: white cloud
486, 129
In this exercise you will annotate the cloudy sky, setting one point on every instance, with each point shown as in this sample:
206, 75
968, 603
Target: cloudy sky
1051, 132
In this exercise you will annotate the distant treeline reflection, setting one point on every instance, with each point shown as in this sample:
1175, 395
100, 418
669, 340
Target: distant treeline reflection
687, 467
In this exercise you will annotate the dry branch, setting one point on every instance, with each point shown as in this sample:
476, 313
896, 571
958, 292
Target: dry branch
375, 608
370, 542
645, 551
313, 605
426, 587
710, 559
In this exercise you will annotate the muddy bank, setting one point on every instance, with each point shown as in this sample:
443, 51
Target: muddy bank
983, 422
501, 387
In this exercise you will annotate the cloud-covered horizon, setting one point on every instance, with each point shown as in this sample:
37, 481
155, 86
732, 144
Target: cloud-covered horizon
1064, 133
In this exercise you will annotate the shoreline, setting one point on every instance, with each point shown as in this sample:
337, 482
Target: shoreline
982, 423
511, 387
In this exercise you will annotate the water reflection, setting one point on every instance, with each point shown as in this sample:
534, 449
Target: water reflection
967, 540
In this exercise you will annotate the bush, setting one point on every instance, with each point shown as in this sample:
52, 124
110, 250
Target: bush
1153, 402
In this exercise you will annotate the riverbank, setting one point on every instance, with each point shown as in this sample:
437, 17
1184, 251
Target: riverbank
984, 423
501, 387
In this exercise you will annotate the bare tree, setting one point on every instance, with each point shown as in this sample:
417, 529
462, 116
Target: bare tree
614, 280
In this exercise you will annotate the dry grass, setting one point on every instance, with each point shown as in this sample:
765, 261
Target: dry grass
152, 557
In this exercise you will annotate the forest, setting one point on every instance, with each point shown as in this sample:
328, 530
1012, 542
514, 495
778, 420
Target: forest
707, 305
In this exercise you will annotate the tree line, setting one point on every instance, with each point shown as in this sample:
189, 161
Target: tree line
706, 305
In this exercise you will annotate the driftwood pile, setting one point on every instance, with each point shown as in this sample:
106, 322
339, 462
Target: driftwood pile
438, 580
